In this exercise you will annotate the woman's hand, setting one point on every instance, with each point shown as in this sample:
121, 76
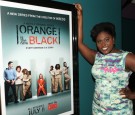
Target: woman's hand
127, 93
87, 53
79, 9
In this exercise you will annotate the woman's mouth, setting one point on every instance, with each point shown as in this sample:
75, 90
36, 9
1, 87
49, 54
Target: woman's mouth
104, 49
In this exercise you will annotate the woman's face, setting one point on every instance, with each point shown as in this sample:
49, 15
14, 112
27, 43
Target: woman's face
51, 67
25, 71
65, 64
18, 69
58, 66
105, 43
41, 76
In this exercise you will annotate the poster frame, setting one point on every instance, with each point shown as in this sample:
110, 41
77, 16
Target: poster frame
71, 8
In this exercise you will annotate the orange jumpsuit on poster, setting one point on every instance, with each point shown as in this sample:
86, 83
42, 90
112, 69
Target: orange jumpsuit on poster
41, 85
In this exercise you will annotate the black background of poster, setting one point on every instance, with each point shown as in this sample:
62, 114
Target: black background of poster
68, 7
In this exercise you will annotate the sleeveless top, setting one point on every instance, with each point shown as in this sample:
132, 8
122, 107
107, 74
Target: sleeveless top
110, 76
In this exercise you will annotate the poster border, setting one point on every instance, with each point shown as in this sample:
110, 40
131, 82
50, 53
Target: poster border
71, 8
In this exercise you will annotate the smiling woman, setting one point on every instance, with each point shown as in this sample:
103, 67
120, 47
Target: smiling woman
111, 69
103, 34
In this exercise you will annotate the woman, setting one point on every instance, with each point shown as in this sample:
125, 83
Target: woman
52, 78
19, 82
58, 78
66, 75
41, 85
26, 82
111, 68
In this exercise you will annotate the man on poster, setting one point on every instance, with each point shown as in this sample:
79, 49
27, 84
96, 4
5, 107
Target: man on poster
10, 77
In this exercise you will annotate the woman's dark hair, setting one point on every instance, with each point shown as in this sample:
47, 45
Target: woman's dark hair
25, 70
64, 63
51, 66
57, 66
103, 27
18, 67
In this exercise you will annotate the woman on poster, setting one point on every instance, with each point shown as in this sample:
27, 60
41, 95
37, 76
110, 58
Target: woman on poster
19, 82
52, 78
41, 85
26, 83
58, 78
66, 75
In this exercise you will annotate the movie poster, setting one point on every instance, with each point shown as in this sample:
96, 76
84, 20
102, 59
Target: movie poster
0, 101
36, 65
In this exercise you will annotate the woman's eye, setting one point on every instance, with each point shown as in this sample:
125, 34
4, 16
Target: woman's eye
107, 40
98, 42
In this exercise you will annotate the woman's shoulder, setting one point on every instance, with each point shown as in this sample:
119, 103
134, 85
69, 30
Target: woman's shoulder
130, 56
130, 61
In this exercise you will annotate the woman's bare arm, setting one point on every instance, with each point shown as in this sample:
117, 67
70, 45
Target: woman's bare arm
86, 52
130, 62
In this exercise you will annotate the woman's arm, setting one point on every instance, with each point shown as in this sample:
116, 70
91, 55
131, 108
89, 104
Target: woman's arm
130, 66
130, 62
86, 52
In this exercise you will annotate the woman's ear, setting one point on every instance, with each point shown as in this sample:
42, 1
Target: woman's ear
113, 40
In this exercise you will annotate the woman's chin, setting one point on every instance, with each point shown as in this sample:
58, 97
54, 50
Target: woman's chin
104, 52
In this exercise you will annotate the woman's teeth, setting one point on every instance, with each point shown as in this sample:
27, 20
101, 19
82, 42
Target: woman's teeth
104, 48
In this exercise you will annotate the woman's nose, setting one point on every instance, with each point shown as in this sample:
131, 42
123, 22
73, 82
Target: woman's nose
104, 43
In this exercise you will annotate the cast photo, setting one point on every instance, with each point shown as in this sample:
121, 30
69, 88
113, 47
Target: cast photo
57, 74
18, 82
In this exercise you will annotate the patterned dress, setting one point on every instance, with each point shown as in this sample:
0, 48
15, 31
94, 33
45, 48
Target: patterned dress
110, 76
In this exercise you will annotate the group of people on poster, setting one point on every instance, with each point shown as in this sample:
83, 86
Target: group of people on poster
20, 81
56, 77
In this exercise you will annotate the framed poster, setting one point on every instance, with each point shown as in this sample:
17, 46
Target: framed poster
39, 64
